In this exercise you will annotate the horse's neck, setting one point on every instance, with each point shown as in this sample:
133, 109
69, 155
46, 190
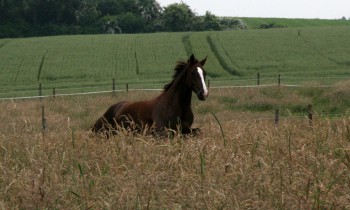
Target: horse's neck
180, 94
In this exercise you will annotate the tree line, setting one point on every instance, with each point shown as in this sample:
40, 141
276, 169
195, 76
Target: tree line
27, 18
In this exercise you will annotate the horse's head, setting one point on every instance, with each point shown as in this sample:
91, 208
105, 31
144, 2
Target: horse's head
195, 77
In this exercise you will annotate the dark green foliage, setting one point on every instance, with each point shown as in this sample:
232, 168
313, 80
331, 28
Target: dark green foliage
130, 23
271, 25
28, 18
211, 22
177, 17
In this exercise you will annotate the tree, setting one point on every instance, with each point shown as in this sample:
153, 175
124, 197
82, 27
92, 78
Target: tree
116, 7
110, 7
2, 11
232, 24
178, 17
87, 13
67, 11
211, 22
110, 24
41, 12
130, 23
149, 9
23, 18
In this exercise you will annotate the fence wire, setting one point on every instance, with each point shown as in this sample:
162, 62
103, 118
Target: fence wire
131, 89
70, 89
270, 117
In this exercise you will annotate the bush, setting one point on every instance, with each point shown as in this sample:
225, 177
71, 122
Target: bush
14, 29
130, 23
271, 25
232, 23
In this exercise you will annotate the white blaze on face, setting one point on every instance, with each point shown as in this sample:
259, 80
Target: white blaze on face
200, 72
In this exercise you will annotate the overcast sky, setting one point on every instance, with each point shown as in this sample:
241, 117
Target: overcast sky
323, 9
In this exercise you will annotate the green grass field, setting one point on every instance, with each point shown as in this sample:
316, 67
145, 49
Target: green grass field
147, 60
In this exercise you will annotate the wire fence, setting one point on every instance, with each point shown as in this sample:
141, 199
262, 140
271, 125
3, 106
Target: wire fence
85, 88
42, 92
54, 92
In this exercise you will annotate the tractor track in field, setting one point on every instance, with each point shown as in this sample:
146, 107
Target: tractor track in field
230, 67
4, 44
319, 52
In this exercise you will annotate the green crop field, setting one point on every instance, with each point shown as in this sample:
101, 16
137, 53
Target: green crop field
147, 60
290, 52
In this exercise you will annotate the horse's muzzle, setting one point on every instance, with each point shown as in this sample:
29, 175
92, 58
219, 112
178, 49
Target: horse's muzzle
202, 96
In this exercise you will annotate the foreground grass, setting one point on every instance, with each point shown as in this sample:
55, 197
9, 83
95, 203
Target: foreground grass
252, 165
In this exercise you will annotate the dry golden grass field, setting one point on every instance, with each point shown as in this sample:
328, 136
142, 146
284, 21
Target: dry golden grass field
240, 161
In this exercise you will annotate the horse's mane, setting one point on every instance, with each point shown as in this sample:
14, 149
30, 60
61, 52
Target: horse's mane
180, 66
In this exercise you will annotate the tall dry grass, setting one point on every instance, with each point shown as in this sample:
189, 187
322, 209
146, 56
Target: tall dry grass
255, 165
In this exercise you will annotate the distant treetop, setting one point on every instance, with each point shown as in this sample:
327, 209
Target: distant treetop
25, 18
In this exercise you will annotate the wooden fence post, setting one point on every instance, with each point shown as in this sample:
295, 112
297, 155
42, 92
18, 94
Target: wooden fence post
127, 87
279, 80
258, 79
113, 87
137, 64
276, 117
208, 83
54, 92
40, 92
310, 113
43, 118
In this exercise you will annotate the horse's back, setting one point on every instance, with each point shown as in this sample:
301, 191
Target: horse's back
107, 120
138, 112
125, 114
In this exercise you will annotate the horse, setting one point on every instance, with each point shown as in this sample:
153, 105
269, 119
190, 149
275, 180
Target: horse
170, 111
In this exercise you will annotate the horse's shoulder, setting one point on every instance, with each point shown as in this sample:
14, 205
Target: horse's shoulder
119, 104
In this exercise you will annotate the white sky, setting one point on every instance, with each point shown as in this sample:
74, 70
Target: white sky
323, 9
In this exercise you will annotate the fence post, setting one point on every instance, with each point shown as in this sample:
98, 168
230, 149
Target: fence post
310, 113
208, 83
258, 79
279, 80
43, 118
137, 64
40, 92
54, 92
276, 117
127, 87
113, 87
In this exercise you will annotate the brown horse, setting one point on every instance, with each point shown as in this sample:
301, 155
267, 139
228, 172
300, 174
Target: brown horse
170, 110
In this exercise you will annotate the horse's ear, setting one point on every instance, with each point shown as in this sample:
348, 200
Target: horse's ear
192, 60
203, 61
